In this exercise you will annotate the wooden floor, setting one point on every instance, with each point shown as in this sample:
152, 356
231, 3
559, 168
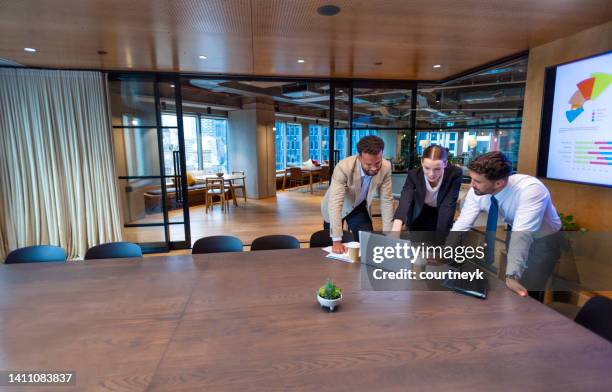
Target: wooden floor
294, 212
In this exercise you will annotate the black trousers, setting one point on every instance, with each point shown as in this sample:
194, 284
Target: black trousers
544, 254
357, 220
427, 219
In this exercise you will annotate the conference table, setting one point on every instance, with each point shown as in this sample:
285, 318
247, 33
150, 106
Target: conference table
250, 321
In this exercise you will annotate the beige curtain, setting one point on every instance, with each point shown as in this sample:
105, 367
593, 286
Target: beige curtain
57, 175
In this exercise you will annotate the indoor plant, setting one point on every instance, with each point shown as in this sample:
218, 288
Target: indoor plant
329, 295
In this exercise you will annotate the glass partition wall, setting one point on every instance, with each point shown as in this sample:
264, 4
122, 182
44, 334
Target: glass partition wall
473, 114
150, 160
169, 125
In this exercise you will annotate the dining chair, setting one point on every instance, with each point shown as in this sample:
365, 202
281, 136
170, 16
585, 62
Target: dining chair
282, 174
596, 315
241, 186
321, 238
217, 244
295, 176
36, 254
113, 250
323, 175
216, 187
280, 241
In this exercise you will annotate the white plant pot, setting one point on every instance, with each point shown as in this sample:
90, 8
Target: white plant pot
329, 303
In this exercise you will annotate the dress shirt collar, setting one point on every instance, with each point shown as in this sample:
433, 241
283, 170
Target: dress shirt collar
501, 195
363, 174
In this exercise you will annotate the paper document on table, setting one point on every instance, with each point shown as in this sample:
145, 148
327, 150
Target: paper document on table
338, 256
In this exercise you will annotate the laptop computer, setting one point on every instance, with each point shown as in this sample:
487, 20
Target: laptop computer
477, 288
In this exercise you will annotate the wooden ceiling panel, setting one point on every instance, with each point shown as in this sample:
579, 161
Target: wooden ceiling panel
139, 35
267, 37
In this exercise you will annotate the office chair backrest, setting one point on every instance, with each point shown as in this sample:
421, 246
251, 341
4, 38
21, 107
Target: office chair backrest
270, 242
321, 238
113, 250
217, 244
596, 315
36, 254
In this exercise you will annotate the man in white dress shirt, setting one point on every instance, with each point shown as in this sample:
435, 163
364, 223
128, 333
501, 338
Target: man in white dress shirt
524, 203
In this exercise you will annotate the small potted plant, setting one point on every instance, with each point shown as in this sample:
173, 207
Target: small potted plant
329, 295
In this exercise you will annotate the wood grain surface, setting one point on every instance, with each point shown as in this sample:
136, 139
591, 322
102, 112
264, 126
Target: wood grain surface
250, 321
386, 39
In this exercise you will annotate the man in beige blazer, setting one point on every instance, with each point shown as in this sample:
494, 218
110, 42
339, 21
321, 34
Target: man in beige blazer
355, 182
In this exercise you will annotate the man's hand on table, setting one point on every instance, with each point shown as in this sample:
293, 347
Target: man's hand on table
515, 286
337, 247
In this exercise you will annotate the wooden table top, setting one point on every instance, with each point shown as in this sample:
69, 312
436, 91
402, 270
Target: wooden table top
226, 177
250, 321
311, 168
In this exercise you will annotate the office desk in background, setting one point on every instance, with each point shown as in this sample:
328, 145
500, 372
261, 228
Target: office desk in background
250, 321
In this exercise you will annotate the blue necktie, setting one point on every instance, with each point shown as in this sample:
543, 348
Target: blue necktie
491, 229
493, 213
365, 185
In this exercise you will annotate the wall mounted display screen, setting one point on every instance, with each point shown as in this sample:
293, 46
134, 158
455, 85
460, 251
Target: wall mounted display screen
576, 130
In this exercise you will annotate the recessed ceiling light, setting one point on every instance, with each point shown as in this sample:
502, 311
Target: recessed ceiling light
31, 50
328, 10
437, 66
203, 57
172, 85
300, 61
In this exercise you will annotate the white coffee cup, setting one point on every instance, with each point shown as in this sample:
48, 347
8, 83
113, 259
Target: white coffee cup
353, 251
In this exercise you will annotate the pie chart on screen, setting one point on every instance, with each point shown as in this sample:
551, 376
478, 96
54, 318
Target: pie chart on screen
588, 89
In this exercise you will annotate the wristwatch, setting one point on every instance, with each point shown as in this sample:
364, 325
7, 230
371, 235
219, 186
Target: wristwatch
514, 276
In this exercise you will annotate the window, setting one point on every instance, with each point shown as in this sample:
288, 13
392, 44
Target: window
170, 141
475, 113
340, 143
279, 142
207, 152
446, 139
318, 140
358, 134
325, 144
288, 144
214, 144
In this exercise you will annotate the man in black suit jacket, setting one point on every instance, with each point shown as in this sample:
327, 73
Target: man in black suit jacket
425, 206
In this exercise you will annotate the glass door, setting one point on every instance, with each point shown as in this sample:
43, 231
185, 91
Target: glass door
150, 161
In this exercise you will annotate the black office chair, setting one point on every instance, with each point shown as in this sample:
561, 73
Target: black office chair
596, 315
36, 254
269, 242
217, 244
113, 250
321, 238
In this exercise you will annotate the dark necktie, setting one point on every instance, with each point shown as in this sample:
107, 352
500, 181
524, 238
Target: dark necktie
491, 229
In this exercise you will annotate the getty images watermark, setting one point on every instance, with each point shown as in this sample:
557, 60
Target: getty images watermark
390, 262
418, 255
571, 261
